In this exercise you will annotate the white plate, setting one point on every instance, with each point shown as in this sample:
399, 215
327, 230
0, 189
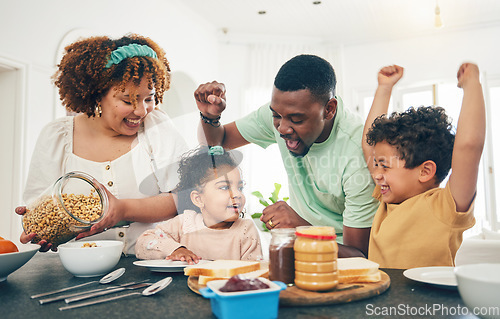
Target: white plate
442, 277
163, 265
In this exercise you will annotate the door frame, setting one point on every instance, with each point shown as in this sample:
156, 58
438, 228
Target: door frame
17, 176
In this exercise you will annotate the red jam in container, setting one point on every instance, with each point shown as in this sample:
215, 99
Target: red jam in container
316, 258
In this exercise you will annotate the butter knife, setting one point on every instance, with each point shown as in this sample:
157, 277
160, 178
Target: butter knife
94, 302
62, 290
61, 297
105, 292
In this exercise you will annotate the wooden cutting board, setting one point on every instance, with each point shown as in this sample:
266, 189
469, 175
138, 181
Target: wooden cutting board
293, 296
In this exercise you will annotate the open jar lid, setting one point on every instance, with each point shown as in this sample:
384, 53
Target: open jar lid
77, 182
316, 232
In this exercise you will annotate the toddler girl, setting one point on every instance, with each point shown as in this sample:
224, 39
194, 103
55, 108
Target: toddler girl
210, 226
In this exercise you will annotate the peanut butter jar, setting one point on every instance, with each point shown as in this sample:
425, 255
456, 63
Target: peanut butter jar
316, 258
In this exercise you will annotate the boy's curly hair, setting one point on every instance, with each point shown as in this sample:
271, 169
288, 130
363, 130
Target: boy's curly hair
419, 134
83, 79
196, 167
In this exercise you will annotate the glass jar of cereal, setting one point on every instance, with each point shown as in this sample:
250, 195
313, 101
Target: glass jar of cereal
316, 258
68, 207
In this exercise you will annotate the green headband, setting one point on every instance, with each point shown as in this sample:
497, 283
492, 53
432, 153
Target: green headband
216, 150
129, 51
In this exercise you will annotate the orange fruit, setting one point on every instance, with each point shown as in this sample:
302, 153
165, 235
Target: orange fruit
6, 246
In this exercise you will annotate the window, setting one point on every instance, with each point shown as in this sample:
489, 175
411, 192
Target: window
492, 151
450, 97
447, 95
418, 96
261, 168
367, 104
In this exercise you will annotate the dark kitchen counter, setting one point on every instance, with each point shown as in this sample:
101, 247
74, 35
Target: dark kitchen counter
44, 272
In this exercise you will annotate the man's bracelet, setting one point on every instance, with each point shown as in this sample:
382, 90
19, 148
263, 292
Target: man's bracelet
214, 122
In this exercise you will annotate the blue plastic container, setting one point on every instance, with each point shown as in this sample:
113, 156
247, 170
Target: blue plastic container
262, 303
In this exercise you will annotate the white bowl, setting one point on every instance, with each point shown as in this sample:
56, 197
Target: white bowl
479, 287
10, 262
90, 261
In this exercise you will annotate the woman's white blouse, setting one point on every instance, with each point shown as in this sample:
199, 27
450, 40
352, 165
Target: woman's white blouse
149, 168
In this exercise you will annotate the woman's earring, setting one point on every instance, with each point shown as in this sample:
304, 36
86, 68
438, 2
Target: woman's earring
242, 214
98, 110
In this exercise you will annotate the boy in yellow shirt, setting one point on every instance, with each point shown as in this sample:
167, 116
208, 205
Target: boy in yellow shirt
409, 154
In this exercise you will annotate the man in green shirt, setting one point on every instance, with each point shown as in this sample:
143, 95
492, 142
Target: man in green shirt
320, 145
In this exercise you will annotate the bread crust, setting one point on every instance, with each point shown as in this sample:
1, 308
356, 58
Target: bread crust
202, 280
362, 278
357, 269
222, 268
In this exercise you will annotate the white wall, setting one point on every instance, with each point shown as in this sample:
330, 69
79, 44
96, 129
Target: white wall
426, 59
430, 58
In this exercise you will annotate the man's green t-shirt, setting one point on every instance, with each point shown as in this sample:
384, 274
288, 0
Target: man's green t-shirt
331, 185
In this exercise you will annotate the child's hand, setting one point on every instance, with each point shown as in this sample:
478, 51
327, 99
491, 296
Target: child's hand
390, 75
184, 254
467, 73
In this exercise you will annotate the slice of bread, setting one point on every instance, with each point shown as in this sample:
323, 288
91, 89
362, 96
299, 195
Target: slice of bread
202, 280
356, 266
360, 278
222, 268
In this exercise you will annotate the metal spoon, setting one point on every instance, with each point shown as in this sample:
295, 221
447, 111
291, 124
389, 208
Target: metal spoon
112, 276
104, 280
149, 291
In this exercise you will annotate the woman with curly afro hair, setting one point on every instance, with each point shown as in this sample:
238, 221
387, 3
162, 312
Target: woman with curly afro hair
118, 134
409, 154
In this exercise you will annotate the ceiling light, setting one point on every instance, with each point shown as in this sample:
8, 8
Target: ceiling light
438, 22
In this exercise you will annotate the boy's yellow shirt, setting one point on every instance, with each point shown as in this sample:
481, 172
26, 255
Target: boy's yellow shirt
424, 230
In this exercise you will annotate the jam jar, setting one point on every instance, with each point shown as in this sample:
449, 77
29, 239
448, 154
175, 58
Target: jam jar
281, 257
316, 258
68, 207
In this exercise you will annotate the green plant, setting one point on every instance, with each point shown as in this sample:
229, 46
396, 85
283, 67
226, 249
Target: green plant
273, 198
